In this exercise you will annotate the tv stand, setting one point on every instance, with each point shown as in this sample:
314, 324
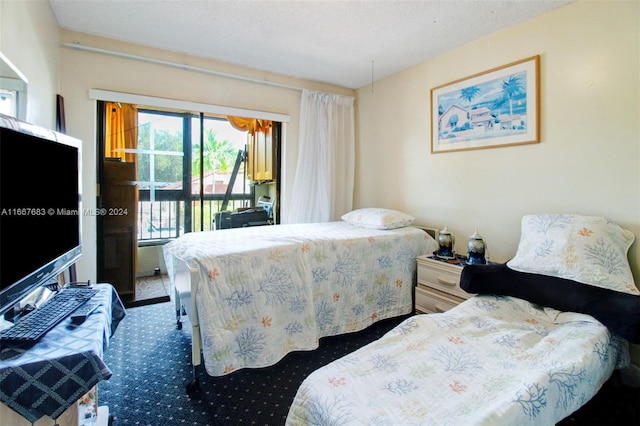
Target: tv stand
45, 381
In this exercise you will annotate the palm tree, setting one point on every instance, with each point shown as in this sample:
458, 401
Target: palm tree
512, 87
468, 93
217, 155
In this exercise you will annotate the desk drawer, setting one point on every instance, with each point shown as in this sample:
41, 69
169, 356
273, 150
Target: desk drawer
441, 278
434, 302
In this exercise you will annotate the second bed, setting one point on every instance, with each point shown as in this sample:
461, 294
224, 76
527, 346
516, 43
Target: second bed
255, 294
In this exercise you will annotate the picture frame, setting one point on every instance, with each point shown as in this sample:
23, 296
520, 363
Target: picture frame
495, 108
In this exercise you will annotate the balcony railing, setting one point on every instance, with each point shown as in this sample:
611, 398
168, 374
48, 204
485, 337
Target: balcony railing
161, 220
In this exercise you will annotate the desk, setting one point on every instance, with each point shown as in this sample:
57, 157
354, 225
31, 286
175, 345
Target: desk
50, 376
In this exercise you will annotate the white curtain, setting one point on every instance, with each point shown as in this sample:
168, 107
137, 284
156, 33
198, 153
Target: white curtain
324, 178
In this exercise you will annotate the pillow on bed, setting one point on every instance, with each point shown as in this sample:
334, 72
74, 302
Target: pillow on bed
377, 218
619, 312
588, 249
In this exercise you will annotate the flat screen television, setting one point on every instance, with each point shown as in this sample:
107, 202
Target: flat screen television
40, 208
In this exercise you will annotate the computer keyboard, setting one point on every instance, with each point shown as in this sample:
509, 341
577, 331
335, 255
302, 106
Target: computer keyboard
38, 322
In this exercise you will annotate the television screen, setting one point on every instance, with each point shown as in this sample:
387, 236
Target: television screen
40, 208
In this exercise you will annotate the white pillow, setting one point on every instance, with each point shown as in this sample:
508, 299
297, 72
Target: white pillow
377, 218
588, 249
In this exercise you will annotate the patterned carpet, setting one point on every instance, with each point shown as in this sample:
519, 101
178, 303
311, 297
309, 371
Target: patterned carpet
151, 363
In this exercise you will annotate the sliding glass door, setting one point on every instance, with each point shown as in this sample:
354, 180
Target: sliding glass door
188, 166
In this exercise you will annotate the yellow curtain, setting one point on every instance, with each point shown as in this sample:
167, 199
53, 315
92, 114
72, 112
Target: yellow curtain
122, 131
250, 125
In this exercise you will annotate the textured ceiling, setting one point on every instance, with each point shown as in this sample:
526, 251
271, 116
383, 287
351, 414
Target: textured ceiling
337, 42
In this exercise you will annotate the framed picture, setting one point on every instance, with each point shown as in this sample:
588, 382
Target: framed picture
498, 107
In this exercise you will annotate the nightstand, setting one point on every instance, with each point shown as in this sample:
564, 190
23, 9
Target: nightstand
438, 287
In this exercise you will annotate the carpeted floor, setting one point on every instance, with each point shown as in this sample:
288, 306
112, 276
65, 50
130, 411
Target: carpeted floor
151, 364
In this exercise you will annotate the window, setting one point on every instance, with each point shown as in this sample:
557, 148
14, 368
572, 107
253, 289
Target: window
9, 102
190, 166
182, 181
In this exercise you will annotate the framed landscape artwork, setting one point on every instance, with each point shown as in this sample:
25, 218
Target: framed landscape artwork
499, 107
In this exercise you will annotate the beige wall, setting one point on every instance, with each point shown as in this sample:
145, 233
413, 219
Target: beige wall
29, 39
82, 71
588, 160
32, 40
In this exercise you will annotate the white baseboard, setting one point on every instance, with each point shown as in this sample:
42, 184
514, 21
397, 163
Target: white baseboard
144, 274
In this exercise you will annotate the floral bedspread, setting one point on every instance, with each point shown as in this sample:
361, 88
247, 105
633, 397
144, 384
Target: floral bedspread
270, 290
491, 360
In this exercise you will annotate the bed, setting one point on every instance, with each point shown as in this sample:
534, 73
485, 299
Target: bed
532, 346
254, 294
489, 360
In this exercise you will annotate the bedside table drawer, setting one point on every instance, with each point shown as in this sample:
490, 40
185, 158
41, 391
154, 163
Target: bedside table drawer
442, 278
434, 302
